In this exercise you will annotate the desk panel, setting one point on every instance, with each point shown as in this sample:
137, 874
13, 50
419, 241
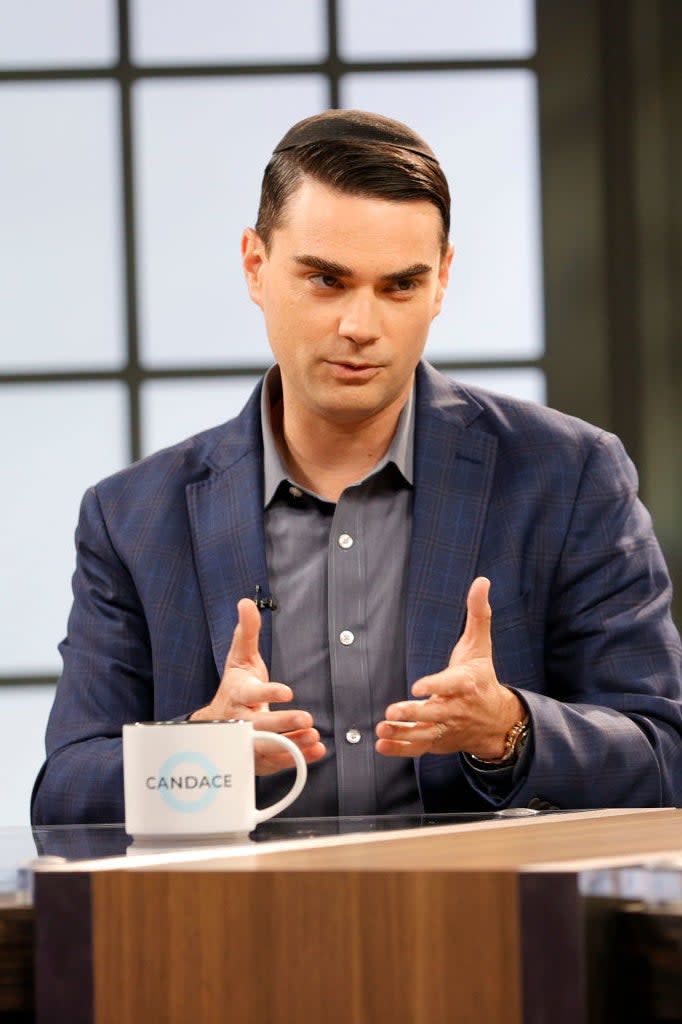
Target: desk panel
480, 923
361, 947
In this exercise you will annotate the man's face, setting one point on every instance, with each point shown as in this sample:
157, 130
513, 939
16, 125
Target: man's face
348, 289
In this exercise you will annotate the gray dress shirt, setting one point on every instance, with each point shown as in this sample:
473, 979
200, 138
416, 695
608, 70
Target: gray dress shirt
338, 574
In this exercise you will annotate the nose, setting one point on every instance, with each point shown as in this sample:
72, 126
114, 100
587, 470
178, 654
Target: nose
360, 318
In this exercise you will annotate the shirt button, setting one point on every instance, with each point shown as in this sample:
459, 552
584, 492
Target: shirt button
345, 541
295, 492
353, 736
346, 637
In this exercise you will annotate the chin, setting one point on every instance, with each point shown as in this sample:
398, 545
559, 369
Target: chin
352, 411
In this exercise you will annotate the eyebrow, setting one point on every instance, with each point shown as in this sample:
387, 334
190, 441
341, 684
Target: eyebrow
339, 270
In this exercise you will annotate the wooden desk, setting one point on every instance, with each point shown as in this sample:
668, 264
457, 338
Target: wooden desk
16, 963
476, 923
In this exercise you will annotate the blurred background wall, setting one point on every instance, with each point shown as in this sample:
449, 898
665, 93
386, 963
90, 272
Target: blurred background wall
134, 136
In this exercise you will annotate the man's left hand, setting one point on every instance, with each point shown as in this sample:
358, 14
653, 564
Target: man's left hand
466, 706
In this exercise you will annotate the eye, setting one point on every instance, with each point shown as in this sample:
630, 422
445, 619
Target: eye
404, 284
325, 281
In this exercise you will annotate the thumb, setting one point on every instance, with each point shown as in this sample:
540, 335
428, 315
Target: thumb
244, 647
476, 640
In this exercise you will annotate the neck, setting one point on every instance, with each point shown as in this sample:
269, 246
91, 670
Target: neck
326, 457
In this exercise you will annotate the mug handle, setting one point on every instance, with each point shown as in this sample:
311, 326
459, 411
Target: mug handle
299, 782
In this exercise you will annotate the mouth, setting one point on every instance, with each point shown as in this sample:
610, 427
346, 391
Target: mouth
350, 371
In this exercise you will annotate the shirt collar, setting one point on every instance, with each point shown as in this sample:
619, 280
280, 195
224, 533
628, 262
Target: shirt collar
400, 452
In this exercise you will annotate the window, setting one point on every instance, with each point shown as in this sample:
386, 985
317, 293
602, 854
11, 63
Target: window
136, 135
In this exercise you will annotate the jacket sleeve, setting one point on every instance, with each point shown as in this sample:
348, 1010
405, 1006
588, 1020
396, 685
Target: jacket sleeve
106, 681
607, 723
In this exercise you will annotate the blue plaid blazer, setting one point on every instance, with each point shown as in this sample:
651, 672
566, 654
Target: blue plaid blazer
543, 504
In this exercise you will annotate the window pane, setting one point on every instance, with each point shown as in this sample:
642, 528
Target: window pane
529, 384
60, 255
449, 29
201, 150
71, 436
46, 34
483, 127
23, 717
175, 409
190, 31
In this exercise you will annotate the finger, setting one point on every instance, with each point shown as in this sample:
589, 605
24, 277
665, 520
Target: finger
410, 732
452, 682
283, 721
406, 711
476, 640
399, 748
270, 758
244, 647
301, 737
248, 690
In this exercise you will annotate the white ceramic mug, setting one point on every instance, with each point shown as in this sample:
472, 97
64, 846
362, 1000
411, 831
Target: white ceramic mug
195, 780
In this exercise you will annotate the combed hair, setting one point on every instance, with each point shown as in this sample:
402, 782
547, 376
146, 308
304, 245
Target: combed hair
374, 170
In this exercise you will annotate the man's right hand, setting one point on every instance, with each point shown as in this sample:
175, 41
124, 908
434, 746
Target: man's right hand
245, 691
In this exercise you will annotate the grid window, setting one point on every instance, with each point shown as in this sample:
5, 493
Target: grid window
528, 383
23, 713
482, 126
70, 436
135, 136
60, 257
175, 409
437, 28
201, 149
51, 34
211, 31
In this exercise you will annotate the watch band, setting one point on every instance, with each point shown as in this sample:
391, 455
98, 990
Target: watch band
513, 741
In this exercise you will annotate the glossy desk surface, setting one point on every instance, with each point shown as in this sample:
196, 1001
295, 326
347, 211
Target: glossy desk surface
582, 842
21, 846
512, 882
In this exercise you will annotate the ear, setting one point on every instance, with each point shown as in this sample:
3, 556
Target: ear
254, 259
443, 278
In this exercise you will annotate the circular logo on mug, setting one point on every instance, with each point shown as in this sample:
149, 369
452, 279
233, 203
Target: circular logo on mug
189, 781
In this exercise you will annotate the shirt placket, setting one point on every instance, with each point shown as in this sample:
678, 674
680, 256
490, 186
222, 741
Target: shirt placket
349, 663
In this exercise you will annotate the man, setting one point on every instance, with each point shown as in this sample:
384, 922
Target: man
351, 519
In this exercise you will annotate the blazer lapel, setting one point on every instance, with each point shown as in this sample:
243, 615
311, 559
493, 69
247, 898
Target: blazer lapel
226, 520
454, 466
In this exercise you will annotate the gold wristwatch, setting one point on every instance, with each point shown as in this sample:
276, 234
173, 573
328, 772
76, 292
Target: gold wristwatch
513, 743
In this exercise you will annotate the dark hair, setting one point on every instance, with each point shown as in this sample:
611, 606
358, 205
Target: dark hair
356, 153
